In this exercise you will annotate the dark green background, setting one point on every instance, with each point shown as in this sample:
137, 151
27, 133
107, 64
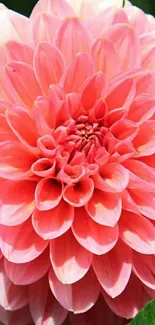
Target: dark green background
25, 6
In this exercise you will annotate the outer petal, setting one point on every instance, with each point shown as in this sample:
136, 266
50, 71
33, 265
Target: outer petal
77, 72
145, 203
138, 20
125, 130
130, 302
17, 201
16, 51
21, 244
144, 142
105, 208
113, 270
55, 222
70, 260
27, 273
144, 268
73, 33
142, 108
96, 238
73, 297
22, 83
48, 194
43, 27
48, 64
12, 297
45, 310
105, 57
137, 232
18, 317
59, 8
125, 40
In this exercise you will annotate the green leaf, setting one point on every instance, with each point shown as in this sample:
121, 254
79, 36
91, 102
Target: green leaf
146, 316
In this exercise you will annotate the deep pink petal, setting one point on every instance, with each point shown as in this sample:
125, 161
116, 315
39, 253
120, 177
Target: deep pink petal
144, 268
55, 222
17, 317
124, 130
142, 108
137, 232
73, 297
48, 194
44, 167
105, 208
79, 193
144, 142
145, 203
27, 273
113, 270
96, 238
21, 244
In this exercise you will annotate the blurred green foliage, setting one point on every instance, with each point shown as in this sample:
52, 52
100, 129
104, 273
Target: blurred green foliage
25, 6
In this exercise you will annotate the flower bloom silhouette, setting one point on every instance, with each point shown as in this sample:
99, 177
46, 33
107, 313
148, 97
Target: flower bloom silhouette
77, 163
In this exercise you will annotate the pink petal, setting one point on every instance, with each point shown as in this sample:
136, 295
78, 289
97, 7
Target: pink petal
72, 32
43, 27
95, 238
22, 124
138, 20
73, 297
142, 108
55, 222
128, 203
79, 194
21, 244
17, 201
105, 208
17, 51
45, 310
137, 232
105, 57
145, 203
5, 131
48, 146
93, 89
70, 260
59, 8
124, 130
113, 270
48, 64
12, 297
18, 317
71, 174
112, 178
130, 302
144, 142
15, 160
22, 83
44, 167
27, 273
48, 194
121, 94
144, 268
125, 40
77, 72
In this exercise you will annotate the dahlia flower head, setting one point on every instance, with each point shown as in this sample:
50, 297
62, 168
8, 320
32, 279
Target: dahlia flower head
77, 163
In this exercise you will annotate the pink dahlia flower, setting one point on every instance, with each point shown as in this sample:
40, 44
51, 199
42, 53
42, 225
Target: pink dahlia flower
77, 163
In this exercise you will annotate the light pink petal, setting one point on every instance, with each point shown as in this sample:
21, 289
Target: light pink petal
48, 194
27, 273
73, 297
144, 268
77, 72
145, 203
55, 222
113, 270
93, 89
70, 260
22, 124
12, 297
43, 27
22, 83
112, 178
21, 244
19, 23
16, 51
59, 8
48, 65
124, 130
79, 194
105, 208
96, 238
137, 232
130, 302
121, 94
15, 160
125, 40
142, 108
138, 20
17, 201
144, 142
73, 33
140, 175
105, 57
